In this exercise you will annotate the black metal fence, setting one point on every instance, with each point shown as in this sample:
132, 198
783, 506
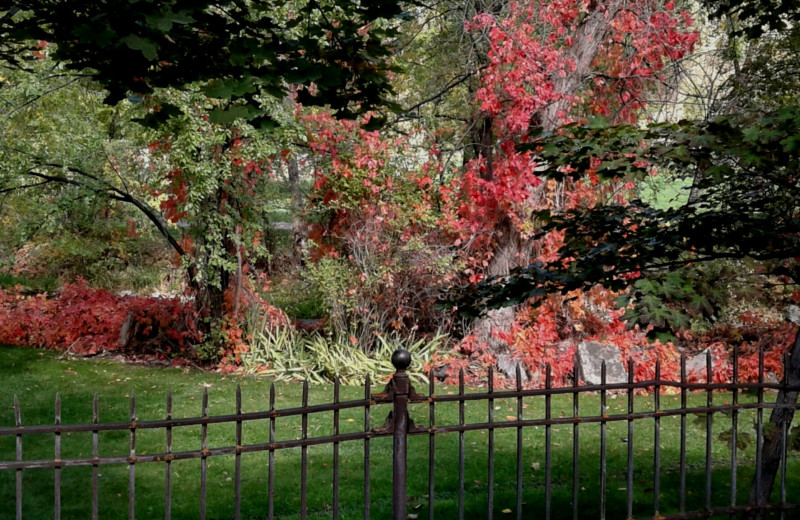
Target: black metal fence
771, 450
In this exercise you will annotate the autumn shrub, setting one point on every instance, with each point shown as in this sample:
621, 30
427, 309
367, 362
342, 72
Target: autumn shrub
106, 258
379, 260
88, 321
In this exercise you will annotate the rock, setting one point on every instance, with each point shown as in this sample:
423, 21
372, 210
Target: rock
591, 355
793, 314
696, 365
440, 372
508, 367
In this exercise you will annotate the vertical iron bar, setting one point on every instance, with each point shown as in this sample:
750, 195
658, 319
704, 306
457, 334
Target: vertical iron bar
519, 443
734, 427
304, 456
95, 456
575, 438
709, 427
237, 475
657, 441
683, 435
204, 458
759, 425
271, 471
336, 450
490, 512
57, 469
784, 432
431, 443
603, 425
401, 387
629, 491
367, 428
548, 438
461, 445
132, 462
168, 469
18, 423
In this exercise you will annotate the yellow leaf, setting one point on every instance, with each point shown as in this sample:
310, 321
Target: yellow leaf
506, 511
511, 418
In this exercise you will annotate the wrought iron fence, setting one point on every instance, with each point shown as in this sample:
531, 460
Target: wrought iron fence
771, 446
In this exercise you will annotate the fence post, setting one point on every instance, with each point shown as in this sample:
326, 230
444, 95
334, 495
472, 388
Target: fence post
401, 387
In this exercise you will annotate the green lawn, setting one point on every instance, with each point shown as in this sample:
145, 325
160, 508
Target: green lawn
36, 376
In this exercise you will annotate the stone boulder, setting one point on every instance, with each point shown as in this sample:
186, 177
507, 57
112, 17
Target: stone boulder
591, 355
696, 366
507, 366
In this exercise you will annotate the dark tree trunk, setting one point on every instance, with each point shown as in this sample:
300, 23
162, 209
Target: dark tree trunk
772, 449
511, 251
299, 225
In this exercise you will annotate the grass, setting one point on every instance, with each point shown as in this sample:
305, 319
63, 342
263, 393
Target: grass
36, 376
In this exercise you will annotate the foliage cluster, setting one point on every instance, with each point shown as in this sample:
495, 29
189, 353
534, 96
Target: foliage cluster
89, 321
235, 52
379, 259
550, 333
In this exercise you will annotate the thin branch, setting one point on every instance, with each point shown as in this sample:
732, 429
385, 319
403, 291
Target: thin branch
115, 194
453, 84
24, 186
36, 98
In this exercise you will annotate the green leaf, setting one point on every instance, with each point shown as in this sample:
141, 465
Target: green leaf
598, 122
751, 133
233, 113
148, 47
229, 87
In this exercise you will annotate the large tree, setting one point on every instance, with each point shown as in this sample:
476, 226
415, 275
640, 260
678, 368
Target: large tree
548, 63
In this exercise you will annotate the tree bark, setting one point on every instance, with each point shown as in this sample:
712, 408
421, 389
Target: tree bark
511, 251
299, 224
773, 447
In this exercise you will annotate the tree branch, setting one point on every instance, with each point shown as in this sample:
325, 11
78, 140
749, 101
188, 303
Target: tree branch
36, 98
116, 194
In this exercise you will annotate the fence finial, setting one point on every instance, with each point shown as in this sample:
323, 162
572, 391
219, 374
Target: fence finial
401, 359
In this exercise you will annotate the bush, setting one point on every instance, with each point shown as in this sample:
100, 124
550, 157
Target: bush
287, 355
89, 321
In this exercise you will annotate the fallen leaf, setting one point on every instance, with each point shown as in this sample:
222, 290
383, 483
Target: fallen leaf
506, 511
511, 418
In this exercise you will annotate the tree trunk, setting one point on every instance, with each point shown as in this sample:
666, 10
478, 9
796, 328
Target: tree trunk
511, 251
299, 225
772, 449
506, 257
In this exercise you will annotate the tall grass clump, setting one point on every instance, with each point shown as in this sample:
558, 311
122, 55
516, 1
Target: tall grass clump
286, 354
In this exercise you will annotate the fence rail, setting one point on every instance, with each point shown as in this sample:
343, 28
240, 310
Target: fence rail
771, 445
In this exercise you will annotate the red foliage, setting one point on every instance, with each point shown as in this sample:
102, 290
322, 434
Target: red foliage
540, 55
381, 220
238, 303
549, 335
88, 321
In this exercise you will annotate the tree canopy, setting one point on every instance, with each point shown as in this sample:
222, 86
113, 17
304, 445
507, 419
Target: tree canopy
236, 51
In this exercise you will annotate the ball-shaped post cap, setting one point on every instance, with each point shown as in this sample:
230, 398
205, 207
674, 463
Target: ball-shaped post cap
401, 359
